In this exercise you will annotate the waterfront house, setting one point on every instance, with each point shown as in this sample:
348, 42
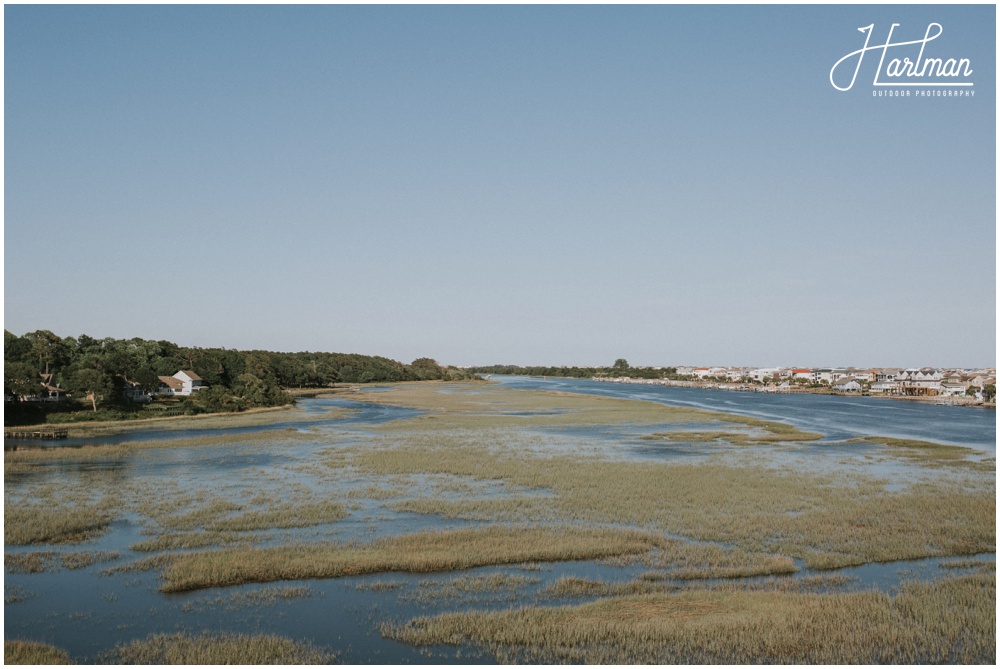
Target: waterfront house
51, 392
923, 381
133, 391
847, 384
887, 387
952, 389
886, 374
822, 375
183, 383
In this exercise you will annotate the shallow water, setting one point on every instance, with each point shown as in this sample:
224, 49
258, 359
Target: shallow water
87, 612
836, 417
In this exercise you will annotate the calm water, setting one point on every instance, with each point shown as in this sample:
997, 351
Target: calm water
87, 612
836, 417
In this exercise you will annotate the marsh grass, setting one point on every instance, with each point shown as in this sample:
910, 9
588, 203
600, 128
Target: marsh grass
952, 621
496, 586
218, 649
145, 564
26, 524
969, 564
734, 438
421, 552
829, 522
380, 586
930, 453
12, 594
249, 599
21, 460
574, 586
260, 416
201, 516
32, 652
81, 559
188, 540
282, 517
28, 563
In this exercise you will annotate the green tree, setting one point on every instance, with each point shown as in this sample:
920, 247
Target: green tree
20, 379
621, 365
989, 392
49, 348
94, 384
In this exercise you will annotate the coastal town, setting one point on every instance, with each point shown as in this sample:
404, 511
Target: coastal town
953, 386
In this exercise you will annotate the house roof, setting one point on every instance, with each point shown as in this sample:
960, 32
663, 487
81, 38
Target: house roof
191, 375
171, 382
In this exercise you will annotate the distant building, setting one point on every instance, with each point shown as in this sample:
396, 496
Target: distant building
884, 388
183, 383
134, 392
847, 384
50, 392
923, 381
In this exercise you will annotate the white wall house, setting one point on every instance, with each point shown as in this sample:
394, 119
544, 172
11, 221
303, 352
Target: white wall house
847, 385
183, 383
923, 381
889, 387
953, 389
821, 375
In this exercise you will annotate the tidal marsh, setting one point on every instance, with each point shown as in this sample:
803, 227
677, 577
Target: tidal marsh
219, 649
822, 520
422, 552
951, 621
542, 495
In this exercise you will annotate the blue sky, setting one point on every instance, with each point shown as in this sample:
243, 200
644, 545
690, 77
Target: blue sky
532, 185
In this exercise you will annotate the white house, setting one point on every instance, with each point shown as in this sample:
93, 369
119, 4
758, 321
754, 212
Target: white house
923, 381
953, 389
847, 384
821, 375
888, 387
183, 383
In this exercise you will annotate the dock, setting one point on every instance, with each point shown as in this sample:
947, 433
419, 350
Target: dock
42, 435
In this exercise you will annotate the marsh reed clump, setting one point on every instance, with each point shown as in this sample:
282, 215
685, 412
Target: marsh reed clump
81, 559
282, 516
209, 648
189, 540
28, 563
421, 552
36, 524
952, 621
32, 652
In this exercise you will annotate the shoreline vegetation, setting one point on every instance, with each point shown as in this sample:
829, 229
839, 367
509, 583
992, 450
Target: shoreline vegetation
51, 380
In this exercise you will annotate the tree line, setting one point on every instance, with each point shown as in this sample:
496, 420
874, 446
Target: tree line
101, 370
620, 367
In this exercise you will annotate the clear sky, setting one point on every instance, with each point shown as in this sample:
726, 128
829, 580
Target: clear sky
528, 185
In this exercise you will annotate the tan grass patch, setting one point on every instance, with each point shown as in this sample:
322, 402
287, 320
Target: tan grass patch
952, 621
219, 649
422, 552
32, 652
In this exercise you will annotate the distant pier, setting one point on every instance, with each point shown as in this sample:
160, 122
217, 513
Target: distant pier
36, 435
